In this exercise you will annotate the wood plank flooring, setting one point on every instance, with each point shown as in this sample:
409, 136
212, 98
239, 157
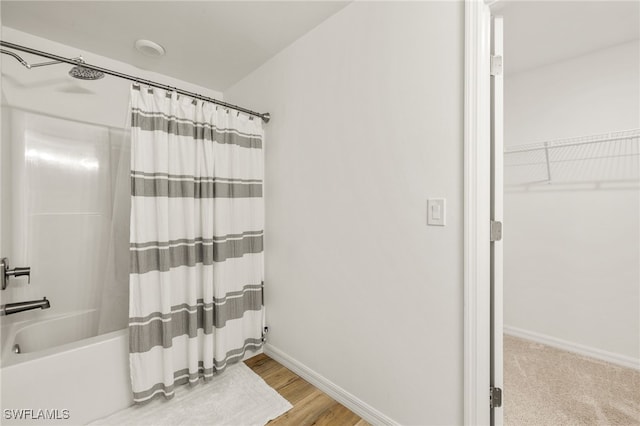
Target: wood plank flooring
310, 405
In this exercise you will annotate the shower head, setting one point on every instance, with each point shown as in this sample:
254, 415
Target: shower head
84, 73
80, 72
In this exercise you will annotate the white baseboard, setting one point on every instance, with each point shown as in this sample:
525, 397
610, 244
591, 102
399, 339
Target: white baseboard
356, 405
614, 358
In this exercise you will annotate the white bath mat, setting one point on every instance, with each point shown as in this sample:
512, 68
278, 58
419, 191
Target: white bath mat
238, 396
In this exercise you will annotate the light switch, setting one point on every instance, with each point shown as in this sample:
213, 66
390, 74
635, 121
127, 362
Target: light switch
436, 211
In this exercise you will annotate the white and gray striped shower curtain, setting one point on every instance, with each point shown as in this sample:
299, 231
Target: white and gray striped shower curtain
196, 257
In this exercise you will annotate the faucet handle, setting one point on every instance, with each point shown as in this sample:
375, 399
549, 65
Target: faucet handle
19, 272
5, 272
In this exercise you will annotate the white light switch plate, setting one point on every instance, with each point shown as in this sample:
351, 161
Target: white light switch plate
436, 211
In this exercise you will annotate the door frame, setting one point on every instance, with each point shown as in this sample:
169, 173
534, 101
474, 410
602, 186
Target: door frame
477, 207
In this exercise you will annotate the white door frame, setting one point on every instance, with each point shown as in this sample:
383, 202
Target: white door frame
477, 203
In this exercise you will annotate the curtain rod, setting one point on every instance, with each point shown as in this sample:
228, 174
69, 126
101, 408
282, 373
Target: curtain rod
264, 116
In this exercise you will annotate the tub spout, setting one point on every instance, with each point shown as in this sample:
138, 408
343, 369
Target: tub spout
14, 308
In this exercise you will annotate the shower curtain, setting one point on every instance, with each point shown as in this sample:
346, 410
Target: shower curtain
196, 257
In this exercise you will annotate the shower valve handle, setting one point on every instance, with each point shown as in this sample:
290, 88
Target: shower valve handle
5, 272
19, 272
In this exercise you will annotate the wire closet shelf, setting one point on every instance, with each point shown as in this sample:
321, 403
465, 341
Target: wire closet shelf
603, 158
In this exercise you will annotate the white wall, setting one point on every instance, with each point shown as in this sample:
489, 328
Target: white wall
367, 124
5, 177
572, 256
590, 94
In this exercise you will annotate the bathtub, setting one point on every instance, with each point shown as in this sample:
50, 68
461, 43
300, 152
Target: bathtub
36, 336
69, 381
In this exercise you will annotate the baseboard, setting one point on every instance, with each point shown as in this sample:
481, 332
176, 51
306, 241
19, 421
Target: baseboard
622, 360
356, 405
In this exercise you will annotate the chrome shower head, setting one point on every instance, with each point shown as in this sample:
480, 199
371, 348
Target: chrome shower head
84, 73
79, 71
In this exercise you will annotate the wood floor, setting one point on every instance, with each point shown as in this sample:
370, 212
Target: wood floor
310, 405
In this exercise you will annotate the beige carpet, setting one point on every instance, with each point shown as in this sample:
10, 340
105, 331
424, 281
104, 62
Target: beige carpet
548, 386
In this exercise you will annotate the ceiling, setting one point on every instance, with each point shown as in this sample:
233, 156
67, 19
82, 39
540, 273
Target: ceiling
538, 33
216, 43
210, 43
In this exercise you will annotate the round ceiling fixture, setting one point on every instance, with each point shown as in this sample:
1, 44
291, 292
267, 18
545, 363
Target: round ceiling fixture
149, 48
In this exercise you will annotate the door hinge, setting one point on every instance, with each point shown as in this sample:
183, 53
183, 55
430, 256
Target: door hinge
496, 230
496, 65
495, 397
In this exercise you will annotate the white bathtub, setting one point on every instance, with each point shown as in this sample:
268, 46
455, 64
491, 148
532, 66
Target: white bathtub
88, 378
33, 336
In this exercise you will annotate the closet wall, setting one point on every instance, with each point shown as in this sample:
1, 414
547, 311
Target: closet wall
572, 252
